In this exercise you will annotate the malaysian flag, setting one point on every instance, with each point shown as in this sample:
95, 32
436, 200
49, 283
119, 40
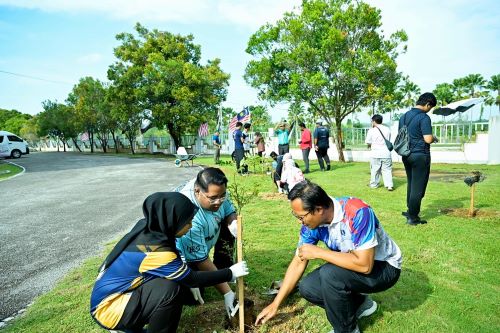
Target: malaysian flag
203, 130
243, 117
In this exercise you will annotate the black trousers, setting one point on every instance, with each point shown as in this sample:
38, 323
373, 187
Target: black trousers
322, 154
283, 149
338, 290
238, 156
156, 303
418, 167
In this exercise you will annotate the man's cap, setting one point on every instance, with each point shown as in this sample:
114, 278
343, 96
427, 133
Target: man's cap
319, 122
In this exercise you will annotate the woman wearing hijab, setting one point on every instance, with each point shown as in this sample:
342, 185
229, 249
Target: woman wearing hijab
291, 174
142, 280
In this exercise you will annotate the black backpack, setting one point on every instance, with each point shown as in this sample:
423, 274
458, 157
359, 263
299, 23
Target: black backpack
402, 142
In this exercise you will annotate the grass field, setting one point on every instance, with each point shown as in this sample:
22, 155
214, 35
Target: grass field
8, 170
450, 280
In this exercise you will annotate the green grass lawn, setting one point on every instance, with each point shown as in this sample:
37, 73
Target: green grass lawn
450, 280
8, 170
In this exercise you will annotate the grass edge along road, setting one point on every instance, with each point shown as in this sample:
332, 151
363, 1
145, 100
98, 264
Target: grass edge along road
8, 170
449, 281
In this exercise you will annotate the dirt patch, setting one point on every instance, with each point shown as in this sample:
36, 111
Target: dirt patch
272, 196
437, 176
464, 212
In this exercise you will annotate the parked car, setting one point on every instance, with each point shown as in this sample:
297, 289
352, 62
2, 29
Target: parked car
12, 146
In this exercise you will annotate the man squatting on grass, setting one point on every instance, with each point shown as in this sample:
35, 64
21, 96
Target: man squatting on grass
360, 257
214, 225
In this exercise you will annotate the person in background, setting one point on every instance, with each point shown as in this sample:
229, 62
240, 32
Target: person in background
277, 169
418, 163
321, 145
143, 281
282, 131
359, 258
239, 152
380, 159
217, 146
260, 143
305, 145
291, 174
246, 139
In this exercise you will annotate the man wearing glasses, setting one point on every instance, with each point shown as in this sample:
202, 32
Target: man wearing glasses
214, 225
360, 257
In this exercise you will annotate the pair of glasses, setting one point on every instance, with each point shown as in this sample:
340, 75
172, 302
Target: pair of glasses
213, 201
300, 217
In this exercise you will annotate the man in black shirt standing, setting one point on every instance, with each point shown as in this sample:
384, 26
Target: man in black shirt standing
321, 145
418, 163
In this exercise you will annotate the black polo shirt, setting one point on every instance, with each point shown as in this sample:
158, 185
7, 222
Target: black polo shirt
419, 124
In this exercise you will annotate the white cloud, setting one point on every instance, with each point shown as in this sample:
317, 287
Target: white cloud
91, 58
249, 13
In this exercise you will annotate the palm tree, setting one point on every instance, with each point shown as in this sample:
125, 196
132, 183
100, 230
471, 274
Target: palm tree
494, 85
459, 88
473, 81
410, 92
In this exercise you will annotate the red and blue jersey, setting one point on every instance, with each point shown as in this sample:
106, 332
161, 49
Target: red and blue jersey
354, 227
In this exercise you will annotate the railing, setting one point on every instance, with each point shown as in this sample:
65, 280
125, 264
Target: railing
458, 133
448, 134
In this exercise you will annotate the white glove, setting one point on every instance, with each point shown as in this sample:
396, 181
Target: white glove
197, 295
233, 228
229, 303
239, 269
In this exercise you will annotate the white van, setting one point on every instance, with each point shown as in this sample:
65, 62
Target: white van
12, 146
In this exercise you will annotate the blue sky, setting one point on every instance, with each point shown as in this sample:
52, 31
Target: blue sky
61, 41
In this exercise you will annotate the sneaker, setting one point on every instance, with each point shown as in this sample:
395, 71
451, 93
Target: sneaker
328, 167
390, 189
367, 308
405, 214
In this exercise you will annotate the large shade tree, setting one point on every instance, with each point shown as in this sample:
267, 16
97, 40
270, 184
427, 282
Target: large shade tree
88, 99
164, 73
331, 55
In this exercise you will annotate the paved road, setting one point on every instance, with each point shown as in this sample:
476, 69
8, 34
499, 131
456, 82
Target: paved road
63, 209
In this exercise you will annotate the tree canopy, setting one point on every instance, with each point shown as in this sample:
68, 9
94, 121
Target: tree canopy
332, 55
162, 72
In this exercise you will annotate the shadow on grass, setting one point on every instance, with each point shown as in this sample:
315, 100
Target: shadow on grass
411, 291
441, 207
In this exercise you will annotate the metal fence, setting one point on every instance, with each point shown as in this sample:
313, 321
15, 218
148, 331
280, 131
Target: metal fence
352, 137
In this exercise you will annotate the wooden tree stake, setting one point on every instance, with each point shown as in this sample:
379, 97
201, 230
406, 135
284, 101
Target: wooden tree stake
471, 208
241, 286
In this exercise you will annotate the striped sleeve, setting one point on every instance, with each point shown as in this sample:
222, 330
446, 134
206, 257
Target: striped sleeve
165, 264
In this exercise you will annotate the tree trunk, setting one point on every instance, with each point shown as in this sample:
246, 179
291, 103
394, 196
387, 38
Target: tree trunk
76, 145
131, 141
91, 141
174, 135
64, 145
115, 141
339, 140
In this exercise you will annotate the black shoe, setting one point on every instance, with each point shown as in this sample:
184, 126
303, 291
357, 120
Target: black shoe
405, 214
328, 167
415, 221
